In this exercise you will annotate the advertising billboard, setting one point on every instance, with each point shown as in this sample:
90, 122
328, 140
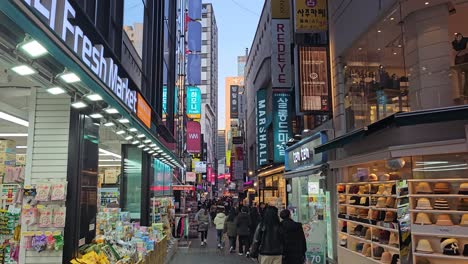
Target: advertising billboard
143, 111
193, 102
164, 101
234, 97
262, 156
193, 137
281, 128
281, 76
280, 9
311, 16
313, 79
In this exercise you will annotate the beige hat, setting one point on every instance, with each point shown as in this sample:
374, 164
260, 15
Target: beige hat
390, 203
363, 189
464, 220
381, 189
424, 246
423, 187
393, 239
444, 220
389, 216
365, 248
342, 198
424, 204
423, 219
351, 210
367, 252
386, 258
388, 189
442, 188
342, 209
368, 235
381, 202
373, 177
463, 188
384, 177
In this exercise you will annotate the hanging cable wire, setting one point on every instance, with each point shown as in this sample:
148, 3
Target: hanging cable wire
245, 8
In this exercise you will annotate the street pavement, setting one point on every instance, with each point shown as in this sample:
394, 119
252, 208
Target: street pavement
209, 254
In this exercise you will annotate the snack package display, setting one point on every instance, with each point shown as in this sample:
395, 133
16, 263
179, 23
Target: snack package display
59, 216
45, 218
31, 216
58, 191
39, 243
43, 192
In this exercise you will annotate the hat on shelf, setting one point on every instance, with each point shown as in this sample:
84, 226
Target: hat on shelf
464, 220
359, 247
368, 251
424, 246
364, 201
354, 200
368, 234
342, 198
341, 188
381, 189
422, 261
354, 189
354, 177
463, 206
381, 202
378, 251
384, 236
373, 177
394, 176
386, 258
363, 178
344, 229
465, 250
388, 189
374, 189
342, 209
389, 216
449, 246
442, 188
365, 247
390, 203
384, 177
423, 188
343, 240
423, 219
357, 229
381, 216
393, 238
375, 234
363, 189
363, 213
363, 231
463, 188
351, 210
424, 204
441, 204
375, 215
444, 220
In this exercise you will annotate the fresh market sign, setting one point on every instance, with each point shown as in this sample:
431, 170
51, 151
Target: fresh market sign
58, 14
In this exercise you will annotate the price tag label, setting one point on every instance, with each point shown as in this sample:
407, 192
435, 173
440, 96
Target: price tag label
316, 254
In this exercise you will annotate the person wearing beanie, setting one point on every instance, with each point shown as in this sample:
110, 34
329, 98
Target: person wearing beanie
293, 239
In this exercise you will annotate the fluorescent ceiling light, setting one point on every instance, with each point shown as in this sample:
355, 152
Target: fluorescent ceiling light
447, 169
13, 134
124, 120
128, 137
94, 97
23, 70
56, 90
79, 104
70, 77
14, 119
141, 146
422, 163
111, 110
152, 145
120, 132
96, 115
21, 147
109, 124
110, 165
33, 48
132, 129
146, 149
110, 160
103, 152
160, 151
151, 152
135, 142
140, 136
147, 141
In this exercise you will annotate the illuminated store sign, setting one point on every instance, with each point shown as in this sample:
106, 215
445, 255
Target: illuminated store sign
303, 154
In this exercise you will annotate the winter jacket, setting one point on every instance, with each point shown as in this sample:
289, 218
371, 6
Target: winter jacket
294, 242
268, 240
203, 220
219, 221
230, 228
243, 224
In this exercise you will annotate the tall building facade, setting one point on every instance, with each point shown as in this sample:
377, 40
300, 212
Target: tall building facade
135, 34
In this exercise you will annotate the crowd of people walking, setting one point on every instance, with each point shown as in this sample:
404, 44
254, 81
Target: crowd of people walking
259, 232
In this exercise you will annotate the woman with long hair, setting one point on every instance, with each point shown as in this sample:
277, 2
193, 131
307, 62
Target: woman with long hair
267, 242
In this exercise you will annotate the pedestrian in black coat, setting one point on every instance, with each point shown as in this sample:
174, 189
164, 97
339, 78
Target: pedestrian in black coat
243, 231
294, 240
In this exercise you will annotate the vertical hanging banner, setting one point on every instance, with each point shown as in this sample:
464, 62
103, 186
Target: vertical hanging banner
143, 111
281, 47
261, 128
193, 102
281, 128
193, 137
194, 69
194, 36
164, 101
313, 79
311, 16
234, 92
195, 9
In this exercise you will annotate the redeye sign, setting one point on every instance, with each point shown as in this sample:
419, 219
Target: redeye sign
262, 156
61, 17
193, 102
302, 154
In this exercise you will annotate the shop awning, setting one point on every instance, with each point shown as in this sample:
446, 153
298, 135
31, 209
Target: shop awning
444, 114
307, 171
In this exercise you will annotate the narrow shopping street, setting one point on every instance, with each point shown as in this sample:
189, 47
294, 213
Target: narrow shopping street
208, 254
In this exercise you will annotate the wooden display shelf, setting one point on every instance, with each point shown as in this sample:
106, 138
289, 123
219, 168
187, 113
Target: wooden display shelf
359, 195
355, 252
369, 225
438, 195
438, 211
369, 182
383, 209
439, 180
441, 256
360, 239
439, 231
388, 247
357, 206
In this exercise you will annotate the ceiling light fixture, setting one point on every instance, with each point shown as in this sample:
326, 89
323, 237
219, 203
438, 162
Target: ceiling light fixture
135, 142
124, 121
111, 110
128, 137
141, 146
147, 141
13, 134
103, 152
120, 132
379, 31
21, 147
24, 70
79, 104
152, 145
32, 47
146, 149
96, 115
13, 119
392, 18
109, 124
132, 129
140, 136
426, 3
56, 90
94, 97
151, 152
68, 77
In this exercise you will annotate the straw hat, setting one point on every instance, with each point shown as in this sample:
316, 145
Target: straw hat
342, 198
378, 251
368, 252
424, 246
366, 247
464, 220
381, 189
343, 240
444, 220
393, 239
375, 234
442, 188
351, 210
384, 177
381, 202
424, 188
388, 189
423, 219
363, 213
424, 204
390, 203
342, 209
368, 234
463, 188
373, 177
463, 206
386, 258
375, 214
449, 246
441, 204
389, 216
363, 189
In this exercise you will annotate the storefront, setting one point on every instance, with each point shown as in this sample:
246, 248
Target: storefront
272, 187
401, 189
77, 144
308, 195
